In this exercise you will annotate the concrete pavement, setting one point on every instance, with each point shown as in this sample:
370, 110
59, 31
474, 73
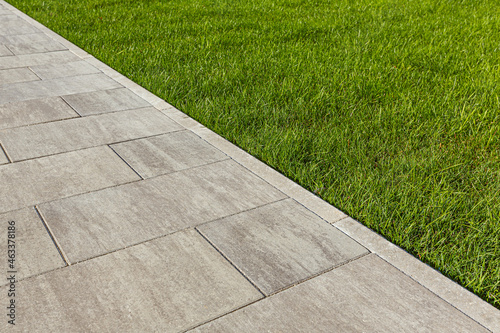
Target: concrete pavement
122, 214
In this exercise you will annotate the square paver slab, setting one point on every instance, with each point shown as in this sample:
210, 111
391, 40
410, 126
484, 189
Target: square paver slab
15, 75
37, 59
34, 181
56, 87
280, 244
166, 285
62, 136
105, 101
167, 153
34, 250
366, 295
96, 223
53, 71
34, 111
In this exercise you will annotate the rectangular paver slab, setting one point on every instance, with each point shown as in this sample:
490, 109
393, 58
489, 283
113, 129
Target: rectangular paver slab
166, 285
66, 135
15, 75
56, 87
96, 223
105, 101
52, 71
25, 39
36, 47
31, 182
280, 244
35, 252
167, 153
37, 59
366, 295
34, 111
12, 25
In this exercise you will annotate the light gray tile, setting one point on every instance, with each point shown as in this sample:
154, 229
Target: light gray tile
167, 153
52, 71
56, 87
56, 137
4, 51
280, 244
3, 157
105, 101
15, 75
5, 12
26, 60
35, 252
15, 26
37, 47
24, 39
30, 182
104, 221
366, 295
34, 111
166, 285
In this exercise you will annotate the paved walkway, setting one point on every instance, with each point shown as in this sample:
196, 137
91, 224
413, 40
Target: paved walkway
129, 216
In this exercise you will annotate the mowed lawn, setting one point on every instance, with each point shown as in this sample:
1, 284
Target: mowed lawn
387, 109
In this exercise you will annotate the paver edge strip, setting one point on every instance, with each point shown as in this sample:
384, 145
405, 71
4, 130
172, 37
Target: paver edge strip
465, 301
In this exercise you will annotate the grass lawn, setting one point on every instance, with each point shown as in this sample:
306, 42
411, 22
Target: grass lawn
388, 109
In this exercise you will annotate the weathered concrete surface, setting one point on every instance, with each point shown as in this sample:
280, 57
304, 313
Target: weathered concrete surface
37, 59
53, 71
34, 250
34, 181
166, 285
4, 51
105, 101
57, 137
167, 153
15, 75
34, 111
281, 244
366, 295
96, 223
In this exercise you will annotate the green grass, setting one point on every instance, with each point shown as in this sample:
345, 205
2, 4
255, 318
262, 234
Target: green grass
388, 109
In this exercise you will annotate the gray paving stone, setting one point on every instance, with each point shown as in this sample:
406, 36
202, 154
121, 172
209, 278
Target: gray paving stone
31, 240
35, 47
105, 101
31, 182
3, 157
4, 51
26, 60
366, 295
167, 153
166, 285
96, 223
5, 12
15, 75
57, 87
25, 39
12, 25
280, 244
34, 111
52, 71
57, 137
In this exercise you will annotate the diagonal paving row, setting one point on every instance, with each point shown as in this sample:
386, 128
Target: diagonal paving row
127, 220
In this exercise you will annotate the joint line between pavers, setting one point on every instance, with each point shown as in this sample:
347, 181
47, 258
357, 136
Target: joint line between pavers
38, 76
432, 292
54, 239
137, 173
2, 148
230, 262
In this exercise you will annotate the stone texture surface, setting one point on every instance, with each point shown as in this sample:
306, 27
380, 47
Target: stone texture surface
96, 223
35, 252
4, 51
53, 71
166, 285
57, 87
34, 111
15, 75
31, 43
54, 177
25, 39
105, 101
37, 59
3, 157
366, 295
167, 153
72, 134
15, 26
281, 244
